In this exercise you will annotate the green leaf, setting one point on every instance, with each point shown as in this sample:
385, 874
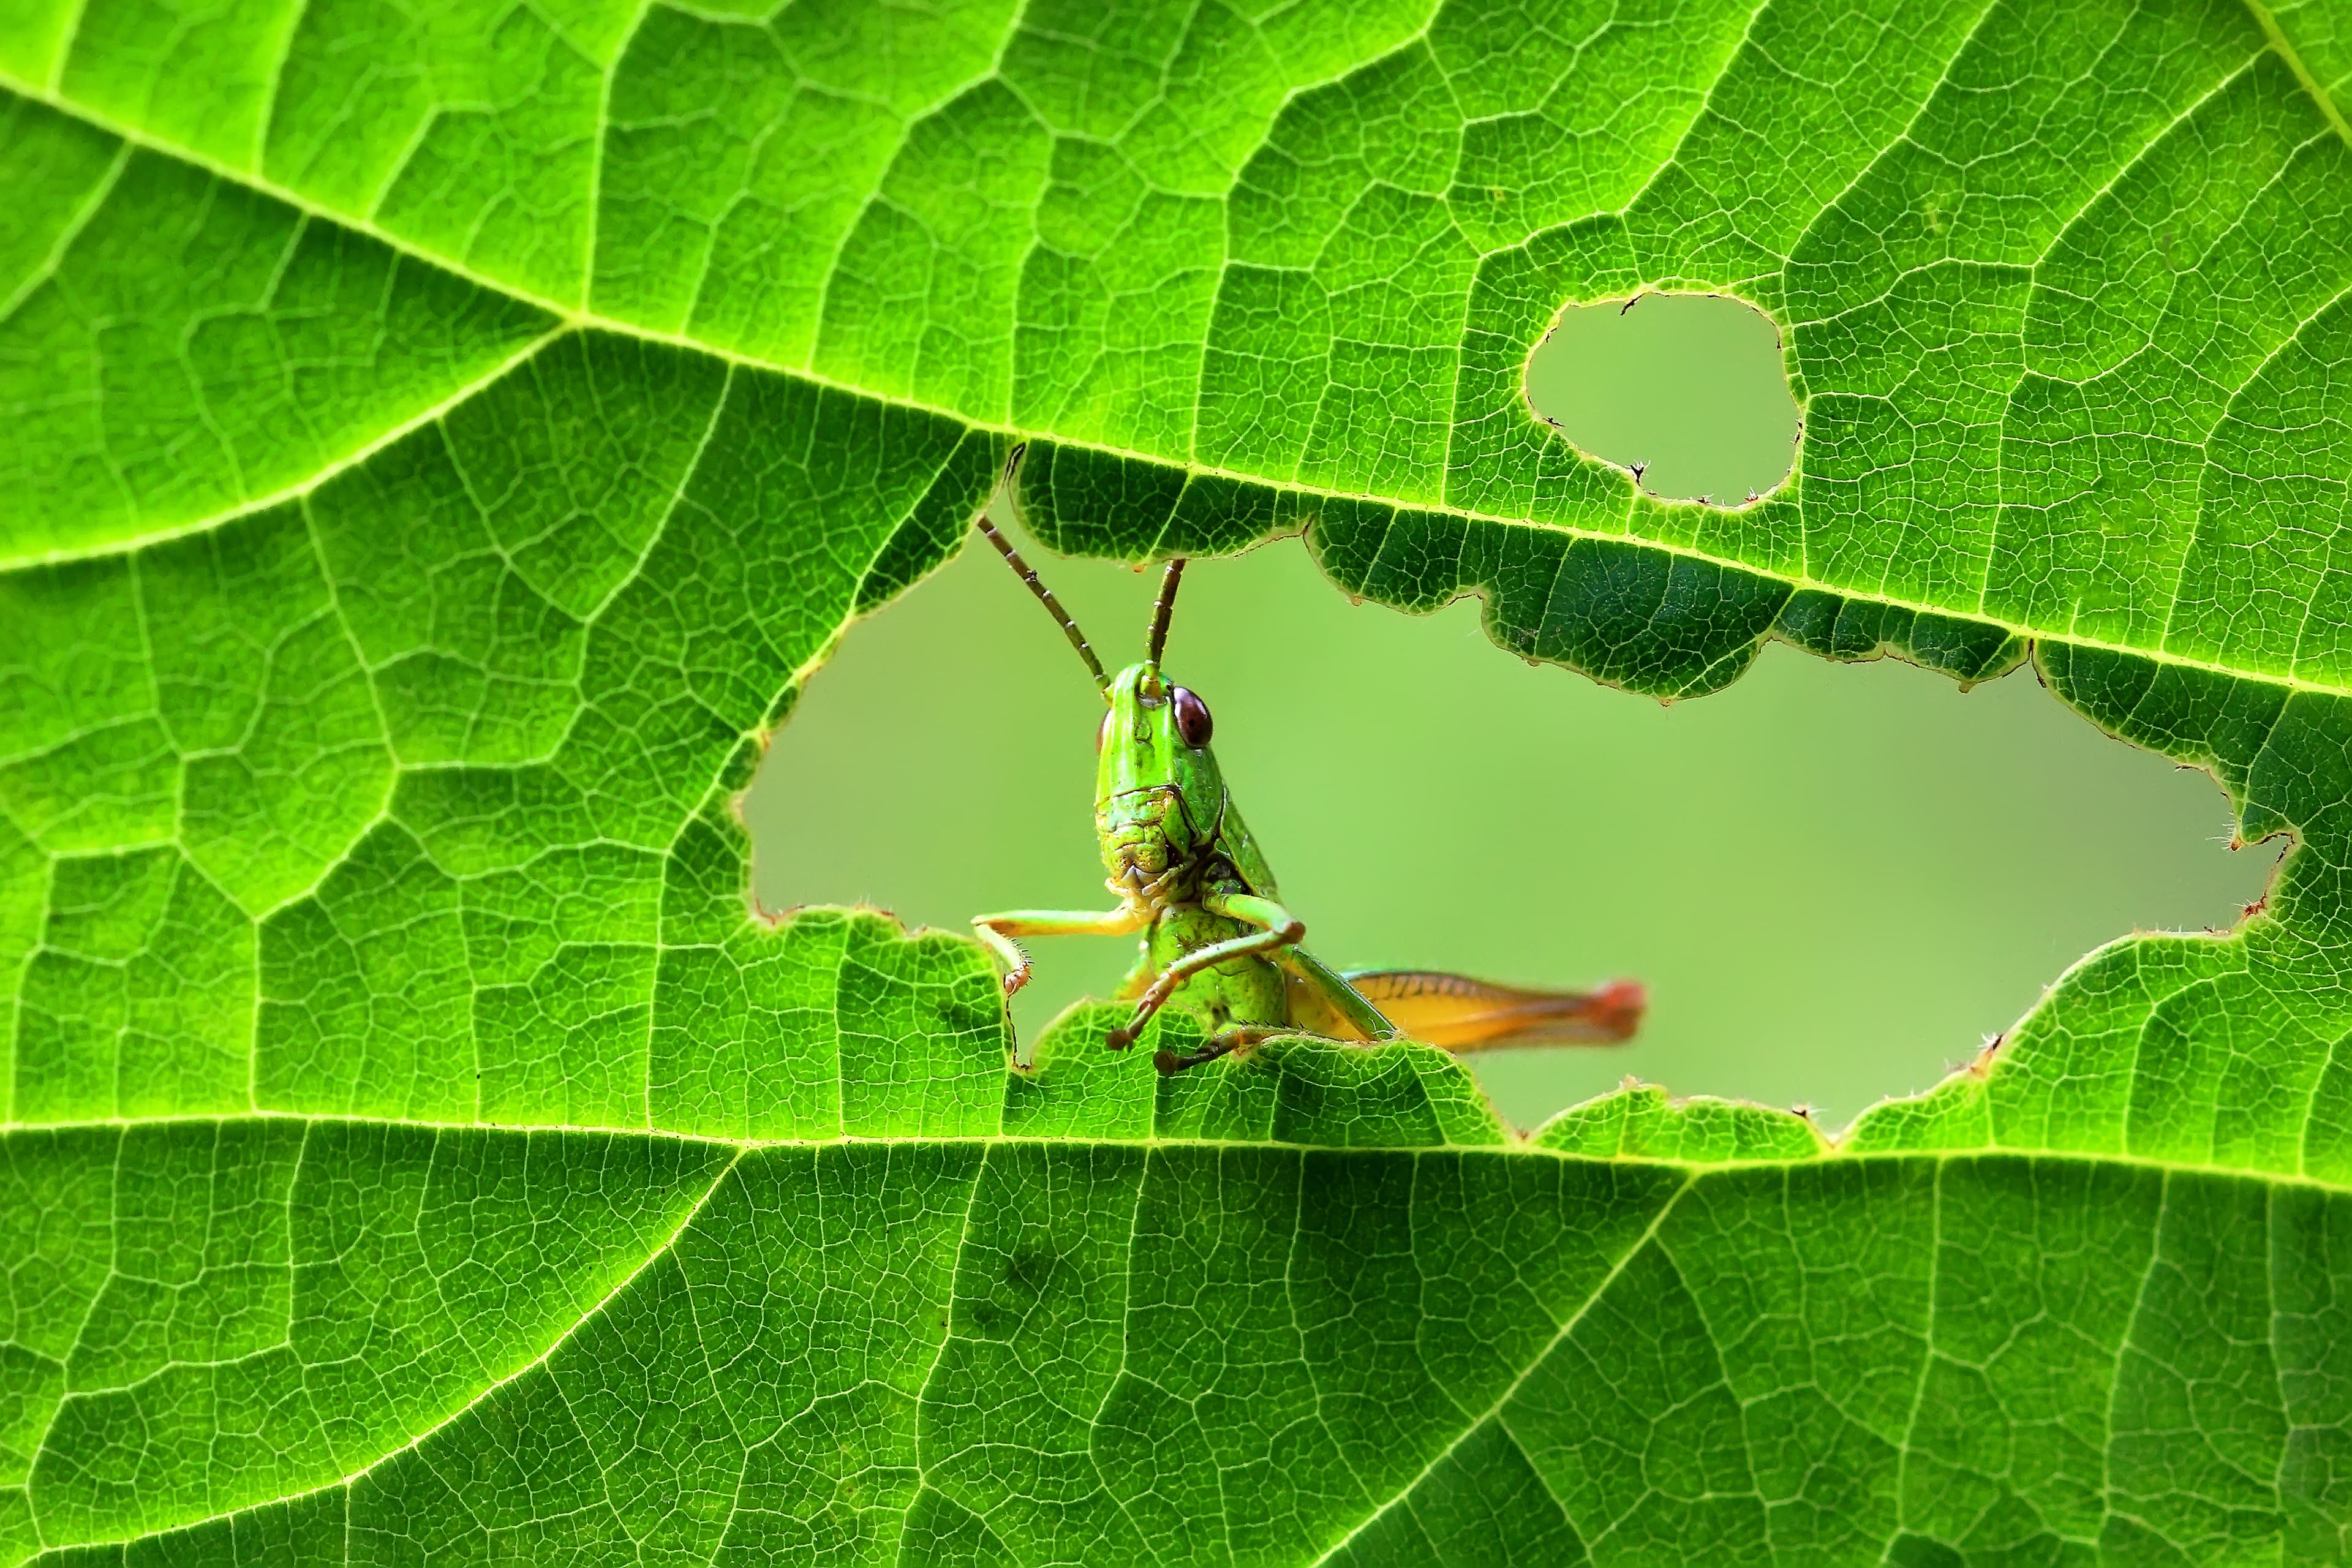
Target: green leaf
440, 443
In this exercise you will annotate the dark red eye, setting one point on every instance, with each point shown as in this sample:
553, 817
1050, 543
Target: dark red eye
1102, 733
1192, 721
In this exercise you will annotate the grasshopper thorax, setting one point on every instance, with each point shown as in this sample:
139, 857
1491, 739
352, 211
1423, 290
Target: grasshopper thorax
1159, 797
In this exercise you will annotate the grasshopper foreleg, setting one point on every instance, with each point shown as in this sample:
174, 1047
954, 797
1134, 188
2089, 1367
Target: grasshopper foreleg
1277, 928
998, 931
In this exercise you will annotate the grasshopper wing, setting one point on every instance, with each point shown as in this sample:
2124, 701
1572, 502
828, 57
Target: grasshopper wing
1466, 1014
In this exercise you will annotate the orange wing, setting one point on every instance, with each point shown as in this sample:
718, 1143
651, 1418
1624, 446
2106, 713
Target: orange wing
1466, 1014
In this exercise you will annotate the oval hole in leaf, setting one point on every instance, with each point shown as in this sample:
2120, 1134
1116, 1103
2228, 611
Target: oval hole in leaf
1835, 880
1688, 389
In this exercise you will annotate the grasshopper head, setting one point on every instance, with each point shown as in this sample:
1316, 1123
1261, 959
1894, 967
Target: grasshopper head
1158, 798
1158, 793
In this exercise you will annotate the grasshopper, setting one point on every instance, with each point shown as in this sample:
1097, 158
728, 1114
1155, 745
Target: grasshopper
1216, 936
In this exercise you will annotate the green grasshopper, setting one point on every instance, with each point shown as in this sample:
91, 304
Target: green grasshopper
1190, 879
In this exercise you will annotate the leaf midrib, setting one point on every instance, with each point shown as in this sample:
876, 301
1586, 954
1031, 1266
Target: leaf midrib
1831, 1152
2329, 109
567, 319
1648, 1238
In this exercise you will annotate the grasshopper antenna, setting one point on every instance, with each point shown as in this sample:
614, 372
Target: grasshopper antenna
1028, 574
1161, 609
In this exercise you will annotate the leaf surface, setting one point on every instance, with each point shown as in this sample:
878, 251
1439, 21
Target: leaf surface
440, 443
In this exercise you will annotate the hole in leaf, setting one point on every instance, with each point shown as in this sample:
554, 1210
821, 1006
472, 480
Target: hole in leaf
1688, 389
1835, 880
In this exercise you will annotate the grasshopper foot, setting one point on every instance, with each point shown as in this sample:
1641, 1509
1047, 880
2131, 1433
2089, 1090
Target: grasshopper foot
1224, 1042
1119, 1039
1170, 1064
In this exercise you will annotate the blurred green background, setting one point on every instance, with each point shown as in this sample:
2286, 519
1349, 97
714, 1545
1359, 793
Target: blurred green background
1836, 880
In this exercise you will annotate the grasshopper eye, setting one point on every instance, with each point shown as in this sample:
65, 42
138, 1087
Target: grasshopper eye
1102, 732
1192, 721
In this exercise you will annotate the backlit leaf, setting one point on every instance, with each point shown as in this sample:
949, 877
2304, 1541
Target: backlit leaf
438, 443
